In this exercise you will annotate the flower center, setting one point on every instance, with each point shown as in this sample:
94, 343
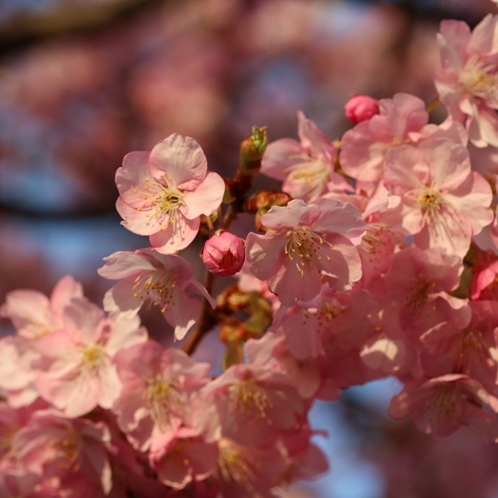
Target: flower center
164, 400
308, 178
156, 288
162, 199
304, 246
472, 351
236, 464
446, 403
248, 397
92, 357
479, 78
170, 200
66, 450
429, 200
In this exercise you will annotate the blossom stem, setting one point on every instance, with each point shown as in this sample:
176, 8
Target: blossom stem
433, 105
206, 320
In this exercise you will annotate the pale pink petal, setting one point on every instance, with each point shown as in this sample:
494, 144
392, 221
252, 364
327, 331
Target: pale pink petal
124, 333
264, 254
138, 221
279, 155
122, 264
484, 36
177, 236
178, 158
81, 318
344, 217
66, 289
314, 142
23, 307
121, 299
184, 314
296, 212
206, 198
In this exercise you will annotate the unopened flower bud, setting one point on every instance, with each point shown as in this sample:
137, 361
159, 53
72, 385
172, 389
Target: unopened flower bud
224, 254
252, 150
261, 203
360, 108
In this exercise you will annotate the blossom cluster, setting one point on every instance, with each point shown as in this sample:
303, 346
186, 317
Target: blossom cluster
378, 257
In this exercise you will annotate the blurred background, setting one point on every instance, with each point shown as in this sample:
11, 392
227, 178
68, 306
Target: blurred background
83, 82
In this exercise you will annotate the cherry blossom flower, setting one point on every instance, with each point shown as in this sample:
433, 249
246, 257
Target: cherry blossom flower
76, 371
444, 203
249, 471
329, 323
248, 404
467, 77
441, 405
272, 351
33, 314
484, 283
182, 456
306, 460
163, 193
363, 148
306, 167
17, 370
467, 348
417, 291
166, 281
158, 386
74, 452
307, 243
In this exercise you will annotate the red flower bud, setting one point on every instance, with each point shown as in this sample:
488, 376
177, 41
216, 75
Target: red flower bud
360, 108
224, 254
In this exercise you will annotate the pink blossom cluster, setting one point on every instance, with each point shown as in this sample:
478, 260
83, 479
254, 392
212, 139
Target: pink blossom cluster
93, 407
378, 258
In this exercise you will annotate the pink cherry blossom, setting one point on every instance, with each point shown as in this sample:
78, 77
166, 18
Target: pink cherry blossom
76, 371
224, 254
444, 203
15, 481
308, 326
466, 348
345, 321
158, 386
363, 147
247, 403
441, 405
467, 77
249, 471
484, 283
305, 167
166, 281
361, 108
182, 456
75, 452
272, 351
33, 314
163, 193
417, 291
17, 370
307, 243
306, 460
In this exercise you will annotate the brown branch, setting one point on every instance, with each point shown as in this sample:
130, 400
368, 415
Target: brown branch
206, 320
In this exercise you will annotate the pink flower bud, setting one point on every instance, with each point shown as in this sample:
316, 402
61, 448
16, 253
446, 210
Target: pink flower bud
224, 254
360, 108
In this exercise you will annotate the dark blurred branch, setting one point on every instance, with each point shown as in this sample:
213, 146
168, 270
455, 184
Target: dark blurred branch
434, 10
24, 29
